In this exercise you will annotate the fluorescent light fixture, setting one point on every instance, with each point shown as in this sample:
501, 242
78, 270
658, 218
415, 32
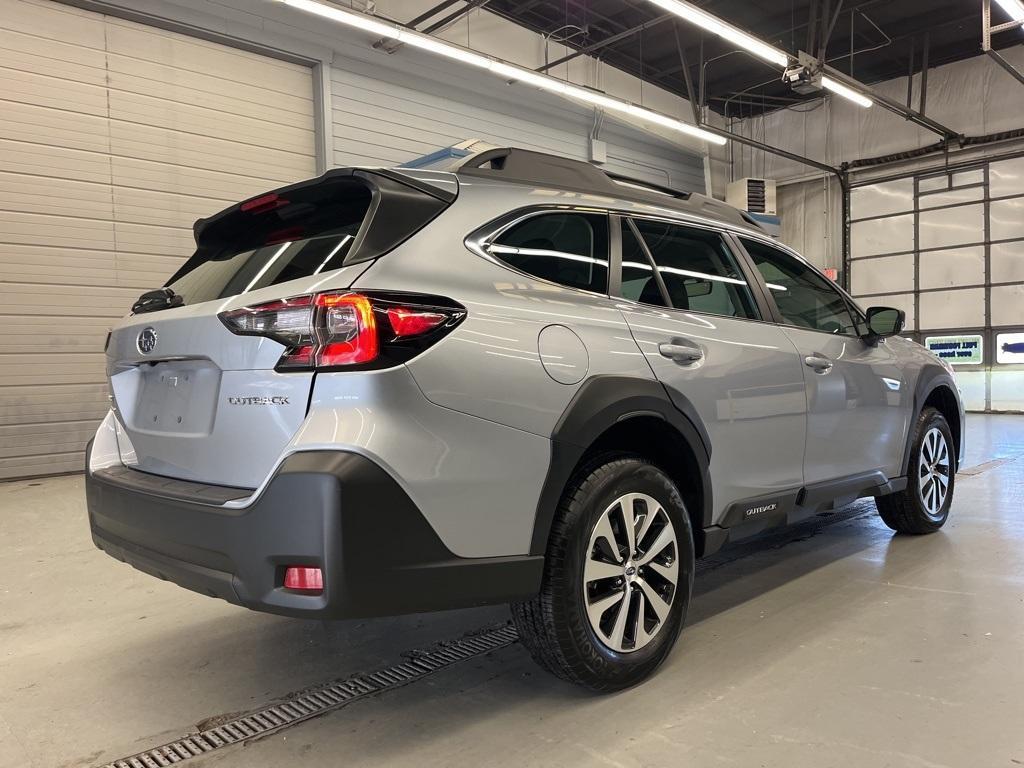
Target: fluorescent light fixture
726, 31
500, 68
1014, 8
847, 93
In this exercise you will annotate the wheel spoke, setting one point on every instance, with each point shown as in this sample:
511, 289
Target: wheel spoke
640, 635
595, 570
619, 628
604, 531
668, 572
629, 523
657, 602
653, 511
665, 538
599, 608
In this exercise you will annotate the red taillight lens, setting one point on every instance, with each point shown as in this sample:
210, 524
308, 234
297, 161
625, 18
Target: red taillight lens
348, 330
328, 330
412, 322
304, 579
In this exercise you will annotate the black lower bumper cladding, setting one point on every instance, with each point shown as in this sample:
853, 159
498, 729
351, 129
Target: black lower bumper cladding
337, 511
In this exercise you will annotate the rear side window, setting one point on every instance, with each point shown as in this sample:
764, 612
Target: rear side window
698, 269
567, 248
275, 240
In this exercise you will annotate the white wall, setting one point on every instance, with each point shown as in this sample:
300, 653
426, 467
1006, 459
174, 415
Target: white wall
426, 82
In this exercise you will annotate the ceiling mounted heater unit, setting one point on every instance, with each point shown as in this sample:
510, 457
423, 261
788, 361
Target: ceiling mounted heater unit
753, 195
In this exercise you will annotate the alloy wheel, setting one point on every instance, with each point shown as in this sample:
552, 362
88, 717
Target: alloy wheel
933, 469
631, 572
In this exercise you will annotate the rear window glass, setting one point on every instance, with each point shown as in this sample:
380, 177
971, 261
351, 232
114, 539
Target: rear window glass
306, 232
570, 249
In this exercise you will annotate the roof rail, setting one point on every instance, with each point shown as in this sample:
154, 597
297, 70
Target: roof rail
540, 168
525, 166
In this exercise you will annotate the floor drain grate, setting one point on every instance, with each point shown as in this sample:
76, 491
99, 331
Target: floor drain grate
317, 700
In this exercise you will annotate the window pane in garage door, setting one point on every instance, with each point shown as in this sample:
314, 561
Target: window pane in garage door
953, 267
951, 226
952, 309
1006, 218
1008, 262
114, 138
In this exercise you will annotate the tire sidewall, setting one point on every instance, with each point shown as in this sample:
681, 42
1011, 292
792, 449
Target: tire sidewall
629, 476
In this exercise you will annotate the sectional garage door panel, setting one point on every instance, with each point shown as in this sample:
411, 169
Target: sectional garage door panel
114, 138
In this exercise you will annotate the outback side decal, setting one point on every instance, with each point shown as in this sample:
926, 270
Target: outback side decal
774, 507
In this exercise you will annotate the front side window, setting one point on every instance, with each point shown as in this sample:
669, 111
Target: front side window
805, 299
699, 271
567, 248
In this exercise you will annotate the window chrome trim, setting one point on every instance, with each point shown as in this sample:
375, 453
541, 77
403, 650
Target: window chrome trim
479, 240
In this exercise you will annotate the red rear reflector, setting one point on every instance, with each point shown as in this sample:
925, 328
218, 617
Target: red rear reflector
263, 203
412, 322
303, 578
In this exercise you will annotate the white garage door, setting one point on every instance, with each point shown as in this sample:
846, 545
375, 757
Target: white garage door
114, 138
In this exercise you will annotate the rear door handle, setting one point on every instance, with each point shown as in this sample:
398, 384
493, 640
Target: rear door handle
681, 353
819, 363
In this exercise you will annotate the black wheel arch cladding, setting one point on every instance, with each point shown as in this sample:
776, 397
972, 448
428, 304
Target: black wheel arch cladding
932, 379
600, 404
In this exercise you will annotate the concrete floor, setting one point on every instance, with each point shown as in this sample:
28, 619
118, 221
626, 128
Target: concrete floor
842, 647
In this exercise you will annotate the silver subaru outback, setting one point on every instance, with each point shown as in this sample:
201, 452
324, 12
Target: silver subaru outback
524, 380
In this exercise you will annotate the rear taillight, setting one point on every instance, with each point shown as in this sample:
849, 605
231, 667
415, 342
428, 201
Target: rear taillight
342, 330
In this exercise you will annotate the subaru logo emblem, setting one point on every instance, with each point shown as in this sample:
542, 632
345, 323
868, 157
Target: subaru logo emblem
146, 341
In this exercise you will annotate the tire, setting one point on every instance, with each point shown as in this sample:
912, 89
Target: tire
585, 567
923, 506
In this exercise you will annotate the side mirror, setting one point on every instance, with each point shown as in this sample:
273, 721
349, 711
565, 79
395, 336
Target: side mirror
884, 321
696, 287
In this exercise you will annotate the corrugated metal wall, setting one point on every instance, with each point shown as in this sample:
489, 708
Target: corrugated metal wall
387, 117
114, 138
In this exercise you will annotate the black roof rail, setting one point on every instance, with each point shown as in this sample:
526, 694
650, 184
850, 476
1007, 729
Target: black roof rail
538, 167
528, 167
661, 189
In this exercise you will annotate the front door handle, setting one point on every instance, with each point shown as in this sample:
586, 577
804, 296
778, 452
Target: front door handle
819, 363
681, 353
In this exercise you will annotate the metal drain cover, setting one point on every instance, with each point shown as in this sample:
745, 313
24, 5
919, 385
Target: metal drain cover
316, 700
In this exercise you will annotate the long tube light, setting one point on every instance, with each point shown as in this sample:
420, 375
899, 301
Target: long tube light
1013, 8
498, 67
723, 29
847, 93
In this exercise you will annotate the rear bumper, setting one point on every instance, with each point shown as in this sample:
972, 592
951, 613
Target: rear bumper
334, 510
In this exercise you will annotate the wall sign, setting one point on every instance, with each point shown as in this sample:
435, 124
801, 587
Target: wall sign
1010, 348
956, 350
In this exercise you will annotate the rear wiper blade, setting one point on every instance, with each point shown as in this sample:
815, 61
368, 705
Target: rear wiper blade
161, 298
